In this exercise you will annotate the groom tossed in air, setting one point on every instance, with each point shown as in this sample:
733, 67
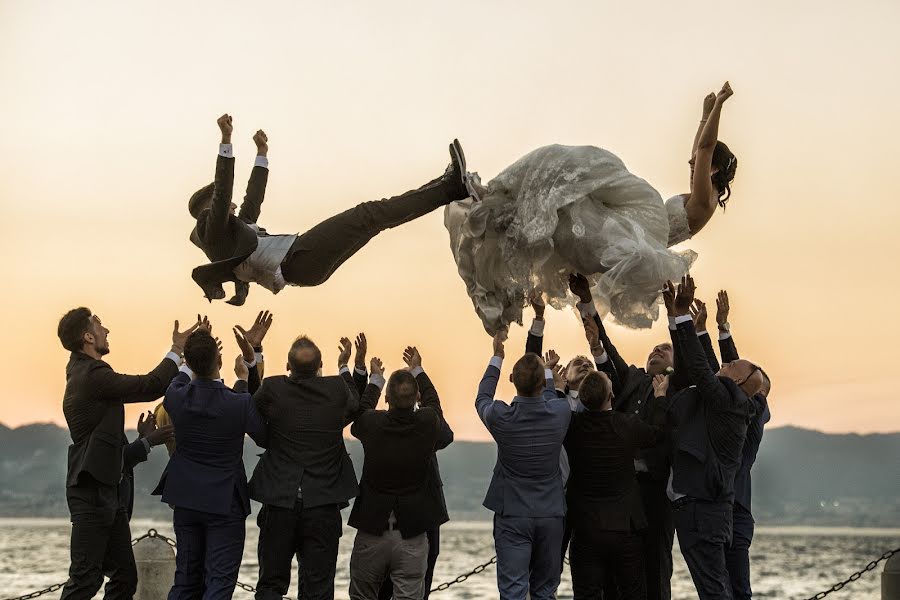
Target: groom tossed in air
241, 251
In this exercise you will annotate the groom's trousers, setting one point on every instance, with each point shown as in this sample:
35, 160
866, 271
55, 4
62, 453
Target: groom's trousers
316, 254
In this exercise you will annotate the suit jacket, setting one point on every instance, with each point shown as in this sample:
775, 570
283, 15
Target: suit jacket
93, 407
399, 446
633, 388
710, 425
529, 434
743, 485
226, 239
603, 492
206, 472
445, 435
306, 451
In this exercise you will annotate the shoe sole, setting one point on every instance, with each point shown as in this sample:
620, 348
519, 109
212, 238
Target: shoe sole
460, 157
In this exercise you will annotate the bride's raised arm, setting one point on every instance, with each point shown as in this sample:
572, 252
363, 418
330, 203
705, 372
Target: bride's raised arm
701, 204
708, 103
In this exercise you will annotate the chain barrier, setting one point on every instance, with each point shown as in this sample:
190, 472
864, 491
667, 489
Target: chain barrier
839, 586
152, 533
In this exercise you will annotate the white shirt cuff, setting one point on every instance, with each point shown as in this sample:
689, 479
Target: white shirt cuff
186, 370
537, 328
496, 361
173, 357
344, 369
250, 365
226, 151
416, 371
548, 373
261, 161
675, 321
146, 444
704, 332
361, 371
602, 359
377, 380
724, 335
258, 357
587, 309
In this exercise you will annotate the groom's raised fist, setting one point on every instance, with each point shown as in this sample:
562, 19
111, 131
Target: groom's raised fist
224, 123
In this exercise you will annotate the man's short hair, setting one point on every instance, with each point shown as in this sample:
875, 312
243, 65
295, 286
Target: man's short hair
201, 353
304, 357
72, 328
402, 390
200, 199
528, 374
595, 389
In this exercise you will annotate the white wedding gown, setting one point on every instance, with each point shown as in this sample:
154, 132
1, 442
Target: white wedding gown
565, 209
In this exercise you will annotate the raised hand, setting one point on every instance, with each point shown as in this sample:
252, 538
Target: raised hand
224, 123
241, 371
146, 427
668, 294
698, 312
180, 337
551, 360
412, 358
244, 344
257, 332
708, 102
592, 334
559, 377
499, 338
722, 309
375, 366
685, 296
537, 303
160, 435
725, 93
344, 350
362, 347
579, 285
660, 385
262, 142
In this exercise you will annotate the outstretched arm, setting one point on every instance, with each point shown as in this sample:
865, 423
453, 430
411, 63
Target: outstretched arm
223, 184
579, 286
484, 401
535, 341
699, 313
701, 204
726, 340
256, 187
708, 102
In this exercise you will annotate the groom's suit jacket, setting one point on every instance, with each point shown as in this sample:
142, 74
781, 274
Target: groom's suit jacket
226, 239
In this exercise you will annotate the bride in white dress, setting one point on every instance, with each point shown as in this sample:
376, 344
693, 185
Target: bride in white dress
565, 209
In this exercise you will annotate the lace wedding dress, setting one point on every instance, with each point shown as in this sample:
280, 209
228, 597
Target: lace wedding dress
564, 209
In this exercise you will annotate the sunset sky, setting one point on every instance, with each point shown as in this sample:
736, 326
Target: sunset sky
109, 109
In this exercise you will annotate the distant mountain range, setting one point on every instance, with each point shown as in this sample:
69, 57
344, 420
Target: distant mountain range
801, 477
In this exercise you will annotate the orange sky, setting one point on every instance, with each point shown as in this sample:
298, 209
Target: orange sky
109, 110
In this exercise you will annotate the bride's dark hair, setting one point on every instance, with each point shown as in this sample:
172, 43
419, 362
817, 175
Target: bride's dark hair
726, 163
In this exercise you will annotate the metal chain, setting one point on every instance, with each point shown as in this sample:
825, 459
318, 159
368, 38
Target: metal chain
839, 586
465, 576
152, 533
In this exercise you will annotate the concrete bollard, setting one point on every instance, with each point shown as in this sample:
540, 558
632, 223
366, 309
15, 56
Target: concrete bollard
155, 561
890, 579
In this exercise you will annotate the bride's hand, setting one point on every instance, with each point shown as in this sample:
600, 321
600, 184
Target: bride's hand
708, 104
725, 93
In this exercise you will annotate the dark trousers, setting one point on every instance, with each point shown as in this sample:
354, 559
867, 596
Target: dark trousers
434, 549
658, 537
312, 534
704, 531
209, 554
317, 254
599, 558
737, 554
528, 556
100, 543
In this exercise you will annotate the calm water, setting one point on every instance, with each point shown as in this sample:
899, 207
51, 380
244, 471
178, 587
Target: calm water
787, 562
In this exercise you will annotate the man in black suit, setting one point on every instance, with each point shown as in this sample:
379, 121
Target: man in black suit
710, 420
397, 503
633, 394
604, 502
737, 555
306, 477
240, 251
97, 492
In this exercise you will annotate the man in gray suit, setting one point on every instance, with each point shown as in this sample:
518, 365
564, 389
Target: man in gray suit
526, 492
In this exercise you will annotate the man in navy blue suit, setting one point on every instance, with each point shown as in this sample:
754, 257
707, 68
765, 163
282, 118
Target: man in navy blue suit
205, 480
526, 491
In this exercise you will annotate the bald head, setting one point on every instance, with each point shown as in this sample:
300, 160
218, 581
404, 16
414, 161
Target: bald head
747, 375
304, 357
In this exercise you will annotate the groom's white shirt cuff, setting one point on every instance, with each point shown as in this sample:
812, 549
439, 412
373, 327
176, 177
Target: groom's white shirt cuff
261, 161
226, 151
